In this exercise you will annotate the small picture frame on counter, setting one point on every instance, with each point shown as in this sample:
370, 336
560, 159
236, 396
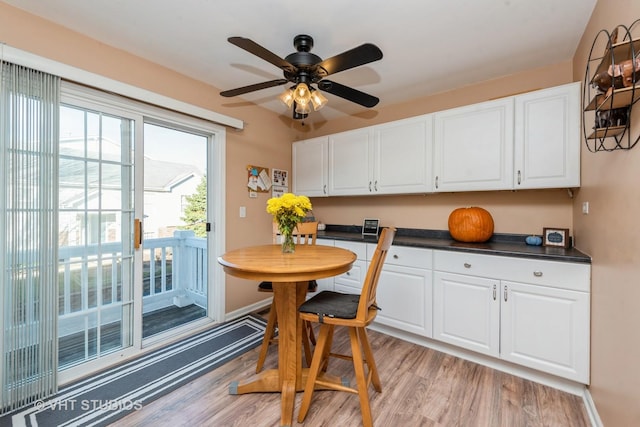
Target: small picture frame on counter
555, 237
370, 227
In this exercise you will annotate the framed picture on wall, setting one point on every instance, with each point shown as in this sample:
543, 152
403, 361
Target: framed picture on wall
280, 177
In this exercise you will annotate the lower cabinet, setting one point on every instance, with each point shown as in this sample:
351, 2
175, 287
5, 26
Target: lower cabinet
543, 324
466, 312
530, 312
546, 329
404, 292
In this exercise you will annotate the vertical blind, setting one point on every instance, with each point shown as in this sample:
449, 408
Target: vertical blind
29, 121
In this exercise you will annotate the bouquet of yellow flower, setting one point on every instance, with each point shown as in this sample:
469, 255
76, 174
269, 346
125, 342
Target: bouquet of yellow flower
288, 210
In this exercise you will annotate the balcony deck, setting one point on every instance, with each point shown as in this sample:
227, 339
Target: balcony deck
72, 350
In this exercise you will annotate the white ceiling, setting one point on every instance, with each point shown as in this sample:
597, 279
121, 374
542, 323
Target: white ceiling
429, 46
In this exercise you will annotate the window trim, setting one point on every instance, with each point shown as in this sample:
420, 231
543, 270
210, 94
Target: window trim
73, 74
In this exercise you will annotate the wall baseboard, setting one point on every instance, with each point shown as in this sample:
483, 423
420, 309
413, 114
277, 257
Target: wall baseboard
592, 411
248, 309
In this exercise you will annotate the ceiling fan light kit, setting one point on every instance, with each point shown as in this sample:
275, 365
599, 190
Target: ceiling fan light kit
303, 68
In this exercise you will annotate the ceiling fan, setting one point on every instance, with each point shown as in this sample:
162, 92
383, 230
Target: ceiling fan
303, 68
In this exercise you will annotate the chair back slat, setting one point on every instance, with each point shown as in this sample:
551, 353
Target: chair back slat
305, 233
370, 285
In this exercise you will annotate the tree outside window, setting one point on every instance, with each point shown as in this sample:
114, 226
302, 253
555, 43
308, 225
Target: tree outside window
195, 212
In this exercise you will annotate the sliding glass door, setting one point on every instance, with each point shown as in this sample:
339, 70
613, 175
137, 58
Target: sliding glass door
174, 246
96, 253
134, 227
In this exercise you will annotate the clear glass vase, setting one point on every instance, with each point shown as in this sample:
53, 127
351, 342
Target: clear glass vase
288, 245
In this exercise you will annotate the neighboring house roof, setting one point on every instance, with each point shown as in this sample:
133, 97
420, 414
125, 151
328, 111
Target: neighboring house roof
160, 176
163, 176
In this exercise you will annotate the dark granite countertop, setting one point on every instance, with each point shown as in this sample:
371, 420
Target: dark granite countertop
511, 245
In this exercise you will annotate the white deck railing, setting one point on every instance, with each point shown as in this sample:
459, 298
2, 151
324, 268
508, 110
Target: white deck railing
175, 273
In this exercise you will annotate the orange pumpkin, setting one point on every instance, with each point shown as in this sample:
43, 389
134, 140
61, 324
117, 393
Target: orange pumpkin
472, 224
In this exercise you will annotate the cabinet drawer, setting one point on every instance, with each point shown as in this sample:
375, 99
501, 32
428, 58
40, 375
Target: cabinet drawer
360, 249
405, 256
563, 275
354, 277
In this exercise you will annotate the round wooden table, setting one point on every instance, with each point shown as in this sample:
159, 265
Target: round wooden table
290, 274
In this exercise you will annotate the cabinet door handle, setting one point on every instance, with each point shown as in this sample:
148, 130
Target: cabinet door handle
519, 177
436, 182
505, 293
495, 291
375, 185
369, 186
467, 265
324, 189
537, 273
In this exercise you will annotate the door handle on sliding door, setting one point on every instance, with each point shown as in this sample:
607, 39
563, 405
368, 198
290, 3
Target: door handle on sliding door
137, 233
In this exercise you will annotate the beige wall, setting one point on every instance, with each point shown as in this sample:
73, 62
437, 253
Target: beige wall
264, 141
611, 235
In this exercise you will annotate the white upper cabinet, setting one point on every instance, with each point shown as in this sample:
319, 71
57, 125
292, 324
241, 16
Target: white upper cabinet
519, 142
473, 147
403, 156
547, 138
393, 158
310, 167
351, 163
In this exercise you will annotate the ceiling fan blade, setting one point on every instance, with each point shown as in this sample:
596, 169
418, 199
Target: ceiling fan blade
254, 48
251, 88
348, 93
355, 57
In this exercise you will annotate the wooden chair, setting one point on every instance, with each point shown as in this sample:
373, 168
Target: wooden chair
356, 312
304, 234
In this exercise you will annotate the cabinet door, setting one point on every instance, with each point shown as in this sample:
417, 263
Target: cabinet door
403, 151
350, 163
325, 284
404, 296
310, 167
473, 147
466, 312
546, 328
547, 138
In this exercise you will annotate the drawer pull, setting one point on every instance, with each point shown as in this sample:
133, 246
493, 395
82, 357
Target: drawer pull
348, 273
537, 273
467, 265
395, 256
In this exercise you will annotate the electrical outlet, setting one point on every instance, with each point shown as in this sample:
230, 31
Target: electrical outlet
243, 211
585, 208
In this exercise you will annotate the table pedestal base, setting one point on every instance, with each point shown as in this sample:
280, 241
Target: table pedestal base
290, 377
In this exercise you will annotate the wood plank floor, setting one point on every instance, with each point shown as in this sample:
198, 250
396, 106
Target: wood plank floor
420, 387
